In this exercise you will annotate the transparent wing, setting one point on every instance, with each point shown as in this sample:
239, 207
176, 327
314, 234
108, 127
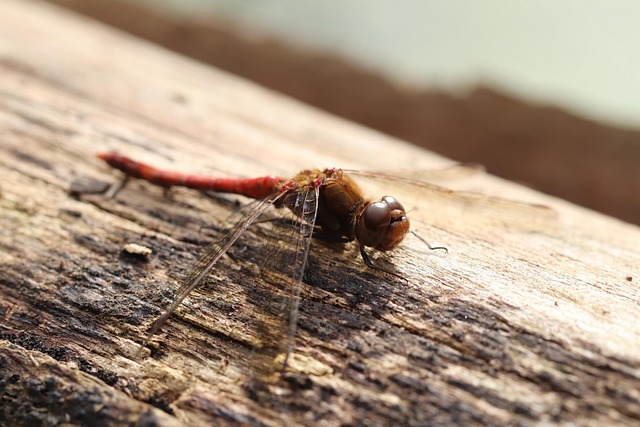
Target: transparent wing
266, 325
455, 171
207, 261
445, 207
282, 272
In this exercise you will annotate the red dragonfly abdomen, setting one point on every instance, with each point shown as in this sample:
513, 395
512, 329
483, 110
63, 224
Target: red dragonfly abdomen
256, 188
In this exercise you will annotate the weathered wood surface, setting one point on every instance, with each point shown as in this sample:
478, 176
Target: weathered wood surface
533, 317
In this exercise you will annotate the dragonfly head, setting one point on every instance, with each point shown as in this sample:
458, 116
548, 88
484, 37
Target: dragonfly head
382, 224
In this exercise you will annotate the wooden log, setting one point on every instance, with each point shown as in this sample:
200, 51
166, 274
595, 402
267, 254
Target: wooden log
531, 318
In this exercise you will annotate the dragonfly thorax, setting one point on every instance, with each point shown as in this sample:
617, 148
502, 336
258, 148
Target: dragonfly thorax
382, 224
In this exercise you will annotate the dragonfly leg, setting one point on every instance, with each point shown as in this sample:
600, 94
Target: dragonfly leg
116, 187
331, 238
433, 248
370, 264
317, 234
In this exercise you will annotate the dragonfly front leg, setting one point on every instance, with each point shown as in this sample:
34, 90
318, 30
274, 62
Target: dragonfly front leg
370, 264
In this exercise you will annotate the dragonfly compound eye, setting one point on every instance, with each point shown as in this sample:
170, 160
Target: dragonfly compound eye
393, 203
382, 224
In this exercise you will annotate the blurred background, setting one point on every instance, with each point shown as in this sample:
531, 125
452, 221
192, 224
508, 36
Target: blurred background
543, 93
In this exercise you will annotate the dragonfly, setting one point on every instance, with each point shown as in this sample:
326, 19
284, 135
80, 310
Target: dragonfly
325, 203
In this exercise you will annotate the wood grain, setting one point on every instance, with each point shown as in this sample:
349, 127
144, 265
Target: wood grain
531, 318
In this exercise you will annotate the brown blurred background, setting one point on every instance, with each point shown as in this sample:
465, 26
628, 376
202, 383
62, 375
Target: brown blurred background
587, 162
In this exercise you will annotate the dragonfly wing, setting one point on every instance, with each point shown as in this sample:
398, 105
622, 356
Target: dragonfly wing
306, 209
283, 272
453, 172
211, 256
443, 205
